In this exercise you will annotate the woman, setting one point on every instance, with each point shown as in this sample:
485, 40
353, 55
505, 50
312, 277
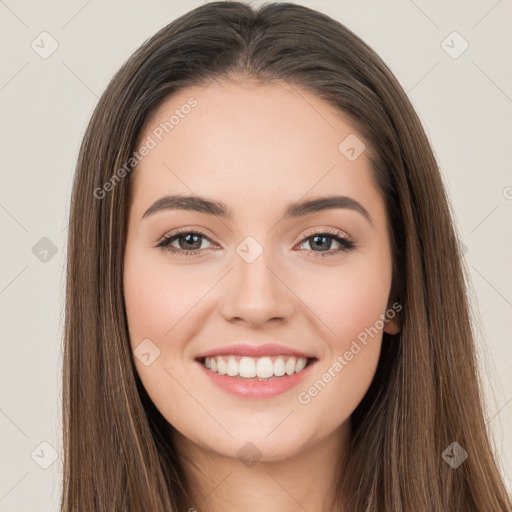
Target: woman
266, 307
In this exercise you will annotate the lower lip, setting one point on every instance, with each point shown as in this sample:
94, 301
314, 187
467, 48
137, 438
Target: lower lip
249, 388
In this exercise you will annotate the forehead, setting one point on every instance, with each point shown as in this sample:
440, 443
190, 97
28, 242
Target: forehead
250, 142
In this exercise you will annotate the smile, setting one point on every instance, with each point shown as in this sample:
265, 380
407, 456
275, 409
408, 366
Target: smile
251, 377
266, 367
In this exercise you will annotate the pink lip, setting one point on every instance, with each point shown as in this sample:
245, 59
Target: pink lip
243, 349
249, 388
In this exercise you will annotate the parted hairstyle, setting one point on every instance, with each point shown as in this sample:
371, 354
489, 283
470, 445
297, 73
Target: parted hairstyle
426, 392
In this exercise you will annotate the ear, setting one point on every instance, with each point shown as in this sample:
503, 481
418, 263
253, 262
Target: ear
392, 325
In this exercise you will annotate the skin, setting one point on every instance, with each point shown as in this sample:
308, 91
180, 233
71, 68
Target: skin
256, 148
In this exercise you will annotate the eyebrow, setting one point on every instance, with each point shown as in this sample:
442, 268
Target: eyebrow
292, 210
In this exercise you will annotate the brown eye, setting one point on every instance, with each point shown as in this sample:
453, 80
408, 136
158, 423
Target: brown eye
189, 242
323, 241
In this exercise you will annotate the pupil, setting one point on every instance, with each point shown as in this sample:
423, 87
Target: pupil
190, 241
323, 238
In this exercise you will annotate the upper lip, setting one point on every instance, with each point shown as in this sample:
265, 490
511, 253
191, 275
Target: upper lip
250, 350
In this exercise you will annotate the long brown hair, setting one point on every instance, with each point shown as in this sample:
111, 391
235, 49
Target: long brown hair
426, 392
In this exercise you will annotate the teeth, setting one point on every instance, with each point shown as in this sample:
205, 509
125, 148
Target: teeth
279, 367
249, 367
232, 367
222, 367
289, 367
264, 368
301, 364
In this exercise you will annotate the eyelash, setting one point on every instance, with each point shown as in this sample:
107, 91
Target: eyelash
346, 243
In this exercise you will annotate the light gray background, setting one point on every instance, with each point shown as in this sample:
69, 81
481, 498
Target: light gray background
465, 104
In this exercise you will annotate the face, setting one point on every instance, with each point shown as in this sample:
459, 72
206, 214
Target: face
260, 282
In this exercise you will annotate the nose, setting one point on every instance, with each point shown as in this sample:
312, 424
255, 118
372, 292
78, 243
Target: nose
256, 294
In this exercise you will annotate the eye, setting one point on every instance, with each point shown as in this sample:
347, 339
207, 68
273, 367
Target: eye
189, 242
323, 240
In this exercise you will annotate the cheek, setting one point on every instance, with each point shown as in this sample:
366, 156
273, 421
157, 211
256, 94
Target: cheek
350, 300
158, 298
352, 312
350, 305
159, 304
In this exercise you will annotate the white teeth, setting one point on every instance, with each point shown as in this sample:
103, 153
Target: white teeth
301, 364
264, 368
279, 367
290, 366
249, 367
232, 366
222, 367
